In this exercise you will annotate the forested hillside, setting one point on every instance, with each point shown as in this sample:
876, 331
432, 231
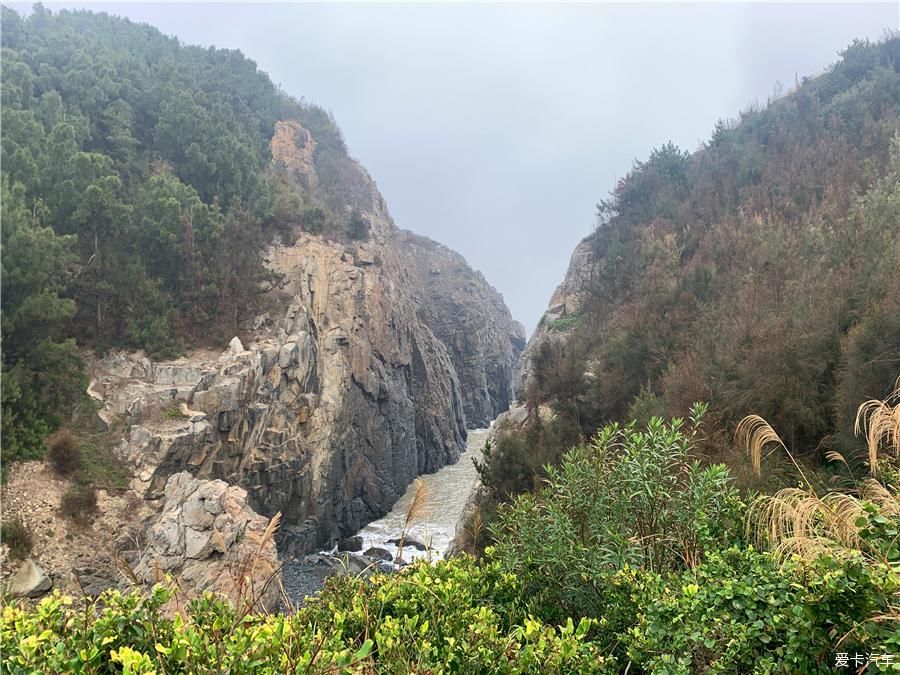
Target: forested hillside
142, 183
759, 273
136, 199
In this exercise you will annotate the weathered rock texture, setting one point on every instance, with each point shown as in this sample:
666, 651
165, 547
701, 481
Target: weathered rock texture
564, 307
293, 152
469, 316
209, 539
30, 581
338, 397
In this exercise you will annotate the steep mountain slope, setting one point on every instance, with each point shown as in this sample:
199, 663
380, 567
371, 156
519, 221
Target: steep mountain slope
161, 201
758, 274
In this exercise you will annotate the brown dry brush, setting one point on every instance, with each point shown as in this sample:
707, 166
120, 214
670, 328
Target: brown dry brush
416, 511
879, 422
797, 520
247, 592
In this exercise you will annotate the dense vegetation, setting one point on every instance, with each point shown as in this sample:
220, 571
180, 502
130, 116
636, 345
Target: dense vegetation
632, 557
758, 274
137, 200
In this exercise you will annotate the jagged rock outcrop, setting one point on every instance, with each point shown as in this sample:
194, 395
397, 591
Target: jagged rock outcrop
293, 152
471, 319
332, 402
209, 539
562, 311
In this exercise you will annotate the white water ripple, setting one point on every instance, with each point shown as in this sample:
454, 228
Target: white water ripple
446, 493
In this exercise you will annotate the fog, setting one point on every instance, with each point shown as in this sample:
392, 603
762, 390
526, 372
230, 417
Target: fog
496, 128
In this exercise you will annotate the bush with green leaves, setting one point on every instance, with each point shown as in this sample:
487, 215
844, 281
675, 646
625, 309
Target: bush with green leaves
739, 610
628, 497
742, 610
458, 616
516, 462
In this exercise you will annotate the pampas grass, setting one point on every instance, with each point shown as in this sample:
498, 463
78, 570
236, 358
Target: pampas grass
754, 433
879, 423
416, 511
798, 521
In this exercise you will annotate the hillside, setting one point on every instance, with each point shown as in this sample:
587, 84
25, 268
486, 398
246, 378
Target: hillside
220, 354
199, 253
758, 274
134, 172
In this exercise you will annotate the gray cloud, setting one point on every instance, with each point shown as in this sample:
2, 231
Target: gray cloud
495, 128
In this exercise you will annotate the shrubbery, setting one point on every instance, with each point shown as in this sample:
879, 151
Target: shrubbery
631, 497
17, 537
79, 503
454, 617
632, 557
63, 454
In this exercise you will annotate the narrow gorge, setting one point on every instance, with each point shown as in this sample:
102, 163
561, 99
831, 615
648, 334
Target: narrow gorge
375, 358
374, 361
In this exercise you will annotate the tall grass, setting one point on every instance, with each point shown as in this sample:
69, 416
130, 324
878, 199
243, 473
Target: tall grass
416, 511
879, 422
800, 521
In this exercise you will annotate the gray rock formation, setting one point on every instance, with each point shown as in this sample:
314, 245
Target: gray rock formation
30, 581
209, 539
329, 405
470, 318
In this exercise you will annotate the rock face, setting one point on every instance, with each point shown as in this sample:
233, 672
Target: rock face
563, 308
470, 318
347, 389
30, 581
293, 151
209, 539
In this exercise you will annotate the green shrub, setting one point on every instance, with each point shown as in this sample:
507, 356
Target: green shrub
17, 537
313, 220
357, 226
629, 497
564, 323
101, 467
63, 454
174, 412
740, 611
456, 616
79, 503
645, 406
517, 462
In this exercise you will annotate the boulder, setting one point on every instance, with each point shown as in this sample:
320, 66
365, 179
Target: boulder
352, 544
209, 539
409, 543
30, 581
235, 347
376, 553
105, 419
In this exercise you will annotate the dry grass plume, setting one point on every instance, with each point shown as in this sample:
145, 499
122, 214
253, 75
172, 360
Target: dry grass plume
879, 423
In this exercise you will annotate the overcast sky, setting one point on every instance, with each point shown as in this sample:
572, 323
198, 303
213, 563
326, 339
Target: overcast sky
496, 128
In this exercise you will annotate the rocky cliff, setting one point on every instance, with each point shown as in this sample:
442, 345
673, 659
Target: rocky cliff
359, 378
470, 318
562, 311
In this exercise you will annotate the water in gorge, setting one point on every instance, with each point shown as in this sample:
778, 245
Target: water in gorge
446, 492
